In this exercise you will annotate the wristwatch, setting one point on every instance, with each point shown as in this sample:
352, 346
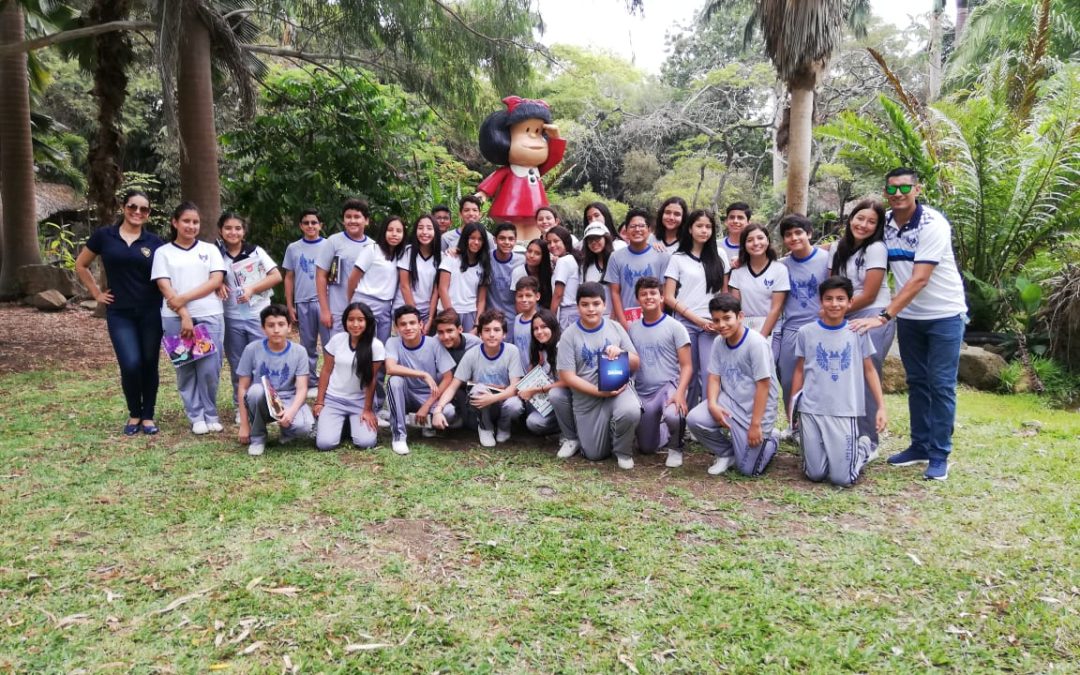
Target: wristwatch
885, 315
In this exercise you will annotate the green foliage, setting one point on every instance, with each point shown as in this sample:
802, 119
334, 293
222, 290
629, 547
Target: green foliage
320, 139
58, 244
572, 205
1060, 387
1009, 186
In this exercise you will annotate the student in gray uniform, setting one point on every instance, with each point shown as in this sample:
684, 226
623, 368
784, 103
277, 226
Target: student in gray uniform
492, 372
347, 382
735, 421
504, 260
832, 362
336, 260
599, 422
807, 267
418, 370
526, 295
627, 265
544, 353
284, 365
300, 295
456, 341
663, 378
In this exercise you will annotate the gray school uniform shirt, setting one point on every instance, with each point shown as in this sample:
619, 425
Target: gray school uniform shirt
580, 350
300, 259
804, 275
476, 366
833, 378
429, 356
521, 337
625, 267
468, 341
281, 368
658, 349
739, 368
347, 249
500, 294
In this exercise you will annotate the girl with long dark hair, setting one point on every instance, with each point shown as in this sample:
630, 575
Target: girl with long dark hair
565, 277
374, 276
671, 220
417, 268
759, 282
463, 281
348, 379
538, 265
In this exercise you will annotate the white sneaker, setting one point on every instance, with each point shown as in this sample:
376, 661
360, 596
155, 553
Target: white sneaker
215, 427
872, 451
312, 393
400, 447
256, 449
383, 417
199, 428
487, 438
502, 435
626, 463
786, 435
236, 419
674, 459
721, 465
567, 449
428, 432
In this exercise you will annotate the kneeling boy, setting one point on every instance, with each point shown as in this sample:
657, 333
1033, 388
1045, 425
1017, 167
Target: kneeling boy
735, 421
663, 346
285, 365
830, 366
418, 370
604, 421
492, 370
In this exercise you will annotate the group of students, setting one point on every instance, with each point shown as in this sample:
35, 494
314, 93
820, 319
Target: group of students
429, 327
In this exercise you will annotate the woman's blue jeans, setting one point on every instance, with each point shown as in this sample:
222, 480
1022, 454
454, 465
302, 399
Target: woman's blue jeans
136, 339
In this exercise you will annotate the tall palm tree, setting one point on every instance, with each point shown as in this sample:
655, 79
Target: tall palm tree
20, 245
800, 38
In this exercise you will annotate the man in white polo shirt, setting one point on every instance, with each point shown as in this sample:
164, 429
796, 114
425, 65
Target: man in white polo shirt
930, 313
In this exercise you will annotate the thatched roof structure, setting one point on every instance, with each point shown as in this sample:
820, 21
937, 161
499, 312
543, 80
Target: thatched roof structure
54, 198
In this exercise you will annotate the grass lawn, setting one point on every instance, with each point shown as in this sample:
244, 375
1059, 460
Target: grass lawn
178, 554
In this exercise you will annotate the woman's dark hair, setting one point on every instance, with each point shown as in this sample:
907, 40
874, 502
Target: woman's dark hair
414, 247
847, 247
362, 350
181, 209
609, 221
495, 131
588, 258
744, 257
551, 349
483, 257
391, 252
710, 256
226, 216
568, 241
658, 228
542, 275
124, 200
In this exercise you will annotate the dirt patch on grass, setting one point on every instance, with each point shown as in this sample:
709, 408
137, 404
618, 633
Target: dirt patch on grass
32, 340
420, 541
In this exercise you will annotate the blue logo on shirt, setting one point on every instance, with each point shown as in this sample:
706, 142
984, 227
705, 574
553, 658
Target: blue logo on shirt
307, 266
650, 355
630, 276
590, 357
833, 362
767, 283
805, 292
279, 378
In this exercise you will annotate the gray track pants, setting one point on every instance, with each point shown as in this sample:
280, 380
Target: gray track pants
498, 416
601, 425
401, 398
832, 448
239, 333
311, 331
198, 382
259, 416
725, 442
660, 424
332, 421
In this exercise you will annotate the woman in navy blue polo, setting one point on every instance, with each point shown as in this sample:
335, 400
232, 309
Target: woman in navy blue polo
132, 305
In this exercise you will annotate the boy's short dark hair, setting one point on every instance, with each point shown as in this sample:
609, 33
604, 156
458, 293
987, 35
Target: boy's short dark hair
646, 282
724, 303
356, 205
902, 171
470, 199
836, 281
527, 283
738, 206
440, 207
274, 310
309, 212
406, 309
504, 227
447, 316
796, 221
491, 316
590, 289
637, 213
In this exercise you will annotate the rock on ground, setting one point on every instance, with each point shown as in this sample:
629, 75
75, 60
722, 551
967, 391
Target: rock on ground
34, 279
48, 301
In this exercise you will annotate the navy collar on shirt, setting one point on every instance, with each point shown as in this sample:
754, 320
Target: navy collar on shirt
642, 251
413, 349
916, 218
650, 325
587, 330
495, 255
750, 269
358, 241
828, 327
502, 347
312, 241
143, 234
193, 245
266, 346
813, 252
746, 332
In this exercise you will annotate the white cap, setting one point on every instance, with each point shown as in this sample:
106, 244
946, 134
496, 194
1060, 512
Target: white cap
595, 229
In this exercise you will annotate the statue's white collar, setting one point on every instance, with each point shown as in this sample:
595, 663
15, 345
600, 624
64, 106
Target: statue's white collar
522, 171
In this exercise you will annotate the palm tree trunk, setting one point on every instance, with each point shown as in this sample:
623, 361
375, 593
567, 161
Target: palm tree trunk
113, 54
195, 110
20, 245
800, 135
933, 86
961, 19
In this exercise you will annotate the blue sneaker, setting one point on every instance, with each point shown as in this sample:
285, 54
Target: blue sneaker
938, 470
909, 457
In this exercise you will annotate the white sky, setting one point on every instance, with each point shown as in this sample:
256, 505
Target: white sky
640, 39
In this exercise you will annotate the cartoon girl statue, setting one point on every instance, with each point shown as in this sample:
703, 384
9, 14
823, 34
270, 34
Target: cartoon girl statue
526, 145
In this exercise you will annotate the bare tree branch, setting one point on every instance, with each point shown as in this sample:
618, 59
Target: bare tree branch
73, 34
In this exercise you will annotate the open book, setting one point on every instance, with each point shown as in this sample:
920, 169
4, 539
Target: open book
274, 404
182, 351
249, 271
534, 379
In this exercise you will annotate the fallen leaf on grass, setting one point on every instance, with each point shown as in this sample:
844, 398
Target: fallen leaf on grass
72, 620
253, 583
289, 591
953, 630
914, 558
241, 637
181, 601
220, 666
110, 596
349, 649
625, 660
1047, 598
252, 648
661, 657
